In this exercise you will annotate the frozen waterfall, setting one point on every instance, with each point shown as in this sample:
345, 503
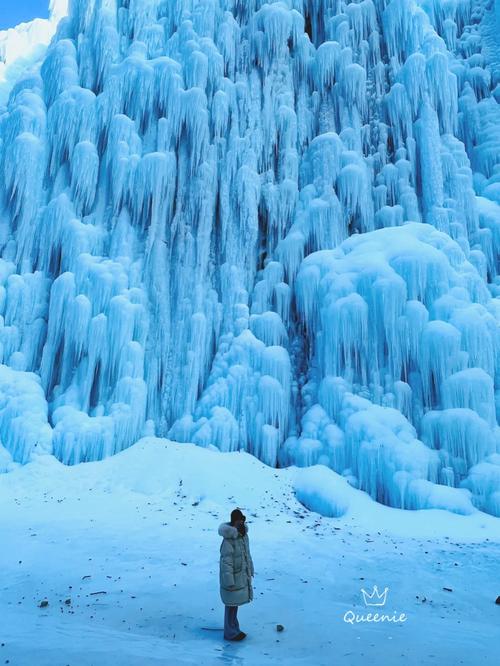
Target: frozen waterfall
269, 226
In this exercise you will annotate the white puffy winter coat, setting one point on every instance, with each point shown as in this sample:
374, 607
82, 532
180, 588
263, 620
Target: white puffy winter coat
236, 566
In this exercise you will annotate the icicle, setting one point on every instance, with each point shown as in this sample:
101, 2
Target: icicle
223, 429
23, 174
282, 296
71, 119
24, 428
327, 57
399, 112
276, 23
331, 393
84, 174
59, 70
440, 357
354, 87
443, 90
154, 189
472, 389
272, 402
276, 363
430, 170
269, 328
354, 194
403, 28
460, 434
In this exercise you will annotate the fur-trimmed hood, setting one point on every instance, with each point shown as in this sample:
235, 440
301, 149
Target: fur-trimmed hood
227, 531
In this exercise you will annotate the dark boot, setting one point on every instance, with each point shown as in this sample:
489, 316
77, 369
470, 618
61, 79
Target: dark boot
239, 637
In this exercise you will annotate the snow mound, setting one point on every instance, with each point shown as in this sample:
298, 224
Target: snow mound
207, 480
322, 490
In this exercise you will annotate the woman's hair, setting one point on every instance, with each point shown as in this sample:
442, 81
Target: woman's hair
236, 514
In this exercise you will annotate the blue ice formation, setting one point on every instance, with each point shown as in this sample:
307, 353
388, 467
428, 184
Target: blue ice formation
269, 226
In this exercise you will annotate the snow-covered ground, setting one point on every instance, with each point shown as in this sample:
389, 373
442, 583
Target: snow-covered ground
132, 543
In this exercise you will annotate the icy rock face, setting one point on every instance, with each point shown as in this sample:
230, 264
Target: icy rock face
272, 226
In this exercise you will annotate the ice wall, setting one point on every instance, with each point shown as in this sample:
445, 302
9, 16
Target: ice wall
270, 226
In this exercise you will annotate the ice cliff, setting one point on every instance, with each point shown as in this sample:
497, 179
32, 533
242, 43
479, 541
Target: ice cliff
268, 226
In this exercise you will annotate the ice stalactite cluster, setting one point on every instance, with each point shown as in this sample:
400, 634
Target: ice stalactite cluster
404, 340
269, 226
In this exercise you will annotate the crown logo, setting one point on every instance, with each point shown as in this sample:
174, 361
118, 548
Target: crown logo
375, 598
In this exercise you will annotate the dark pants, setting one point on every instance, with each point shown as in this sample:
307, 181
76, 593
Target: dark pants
231, 625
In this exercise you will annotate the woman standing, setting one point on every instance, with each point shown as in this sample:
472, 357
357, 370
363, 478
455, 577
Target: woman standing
236, 571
